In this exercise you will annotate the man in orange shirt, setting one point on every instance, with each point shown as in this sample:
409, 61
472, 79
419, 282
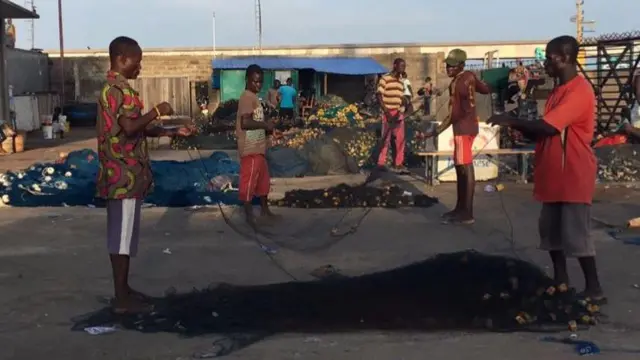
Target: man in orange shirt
565, 165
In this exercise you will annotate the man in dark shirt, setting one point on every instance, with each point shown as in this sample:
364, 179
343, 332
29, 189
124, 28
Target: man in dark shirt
125, 177
464, 119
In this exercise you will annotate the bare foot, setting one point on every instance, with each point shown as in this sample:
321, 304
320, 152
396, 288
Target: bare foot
450, 214
251, 221
594, 296
460, 219
139, 295
269, 218
129, 306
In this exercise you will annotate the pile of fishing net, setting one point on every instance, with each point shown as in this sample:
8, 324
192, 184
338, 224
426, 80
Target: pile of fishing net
347, 196
618, 163
330, 101
226, 110
463, 290
343, 150
71, 181
297, 138
363, 145
336, 116
220, 140
211, 133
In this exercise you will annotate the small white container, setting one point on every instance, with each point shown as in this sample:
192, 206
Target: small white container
47, 132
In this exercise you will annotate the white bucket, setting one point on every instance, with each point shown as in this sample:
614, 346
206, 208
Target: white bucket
47, 132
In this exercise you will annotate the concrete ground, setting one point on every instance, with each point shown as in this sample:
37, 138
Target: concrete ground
53, 266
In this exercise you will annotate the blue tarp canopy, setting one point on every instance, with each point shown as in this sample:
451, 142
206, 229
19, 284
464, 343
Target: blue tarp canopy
333, 65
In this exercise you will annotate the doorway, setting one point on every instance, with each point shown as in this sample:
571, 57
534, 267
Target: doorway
307, 83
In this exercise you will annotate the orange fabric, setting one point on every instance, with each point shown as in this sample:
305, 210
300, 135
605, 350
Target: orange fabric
462, 149
254, 177
565, 165
616, 139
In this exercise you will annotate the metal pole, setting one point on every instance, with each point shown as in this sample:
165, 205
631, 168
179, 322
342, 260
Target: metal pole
579, 20
214, 34
4, 85
61, 35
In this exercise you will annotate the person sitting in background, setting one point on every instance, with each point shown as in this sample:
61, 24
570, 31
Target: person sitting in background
59, 128
522, 74
512, 91
6, 132
631, 128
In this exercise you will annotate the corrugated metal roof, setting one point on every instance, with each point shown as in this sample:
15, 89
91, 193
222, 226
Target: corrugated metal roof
10, 10
333, 65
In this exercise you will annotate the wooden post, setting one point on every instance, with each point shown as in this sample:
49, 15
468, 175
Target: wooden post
61, 38
76, 80
4, 84
325, 83
432, 72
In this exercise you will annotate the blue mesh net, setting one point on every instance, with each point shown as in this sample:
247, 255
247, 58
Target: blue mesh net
73, 182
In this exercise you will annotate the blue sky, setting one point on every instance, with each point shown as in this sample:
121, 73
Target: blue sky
184, 23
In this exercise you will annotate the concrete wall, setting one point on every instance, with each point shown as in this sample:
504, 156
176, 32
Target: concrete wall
84, 69
27, 71
87, 73
91, 72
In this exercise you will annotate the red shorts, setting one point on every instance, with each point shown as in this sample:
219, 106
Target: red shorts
462, 153
254, 177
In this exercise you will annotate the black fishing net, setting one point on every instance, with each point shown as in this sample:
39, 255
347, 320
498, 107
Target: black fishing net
347, 196
619, 163
463, 290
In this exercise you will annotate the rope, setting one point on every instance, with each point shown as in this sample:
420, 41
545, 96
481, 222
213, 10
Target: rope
265, 249
354, 228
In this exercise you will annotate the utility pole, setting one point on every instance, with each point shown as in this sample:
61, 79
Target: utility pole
28, 4
61, 36
213, 25
258, 15
578, 18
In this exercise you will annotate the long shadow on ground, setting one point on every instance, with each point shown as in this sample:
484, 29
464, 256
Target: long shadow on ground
463, 290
